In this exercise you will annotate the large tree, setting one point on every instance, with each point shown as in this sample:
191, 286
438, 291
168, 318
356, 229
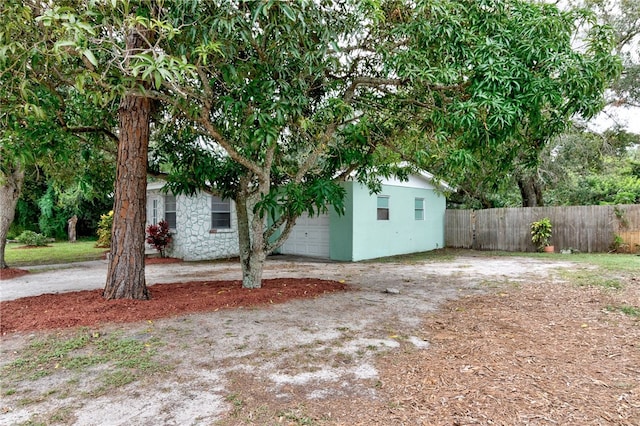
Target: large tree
94, 49
272, 103
291, 98
125, 276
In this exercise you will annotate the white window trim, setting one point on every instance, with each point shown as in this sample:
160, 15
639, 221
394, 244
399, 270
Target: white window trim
154, 211
230, 211
378, 208
170, 211
421, 210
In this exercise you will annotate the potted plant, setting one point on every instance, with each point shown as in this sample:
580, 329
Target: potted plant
541, 234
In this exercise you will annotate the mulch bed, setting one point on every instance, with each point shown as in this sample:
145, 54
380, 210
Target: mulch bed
88, 308
8, 273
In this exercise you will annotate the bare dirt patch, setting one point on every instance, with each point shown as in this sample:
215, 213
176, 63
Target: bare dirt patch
468, 340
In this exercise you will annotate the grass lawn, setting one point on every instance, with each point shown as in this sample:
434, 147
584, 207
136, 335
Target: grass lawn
17, 255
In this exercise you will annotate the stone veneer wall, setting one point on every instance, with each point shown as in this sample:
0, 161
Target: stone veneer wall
193, 238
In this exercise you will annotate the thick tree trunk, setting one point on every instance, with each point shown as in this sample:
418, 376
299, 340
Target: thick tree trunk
125, 276
251, 240
9, 194
530, 191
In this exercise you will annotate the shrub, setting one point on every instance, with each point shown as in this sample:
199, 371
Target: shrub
104, 230
541, 233
14, 231
158, 236
30, 238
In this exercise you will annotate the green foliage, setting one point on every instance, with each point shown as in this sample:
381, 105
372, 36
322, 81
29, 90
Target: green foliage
632, 311
616, 244
587, 168
51, 224
541, 233
51, 129
159, 236
31, 238
624, 17
576, 168
276, 102
104, 230
14, 231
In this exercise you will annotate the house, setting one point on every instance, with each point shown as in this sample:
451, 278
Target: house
405, 217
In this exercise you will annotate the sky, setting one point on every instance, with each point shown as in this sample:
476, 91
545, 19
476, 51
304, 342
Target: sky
628, 118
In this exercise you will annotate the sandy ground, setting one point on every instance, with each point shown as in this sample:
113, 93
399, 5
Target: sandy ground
298, 353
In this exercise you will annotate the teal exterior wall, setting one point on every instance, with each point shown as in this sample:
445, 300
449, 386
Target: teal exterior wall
360, 235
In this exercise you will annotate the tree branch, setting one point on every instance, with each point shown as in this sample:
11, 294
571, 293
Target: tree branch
90, 129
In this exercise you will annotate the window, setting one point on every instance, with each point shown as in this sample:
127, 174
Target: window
170, 210
154, 211
383, 207
220, 213
419, 208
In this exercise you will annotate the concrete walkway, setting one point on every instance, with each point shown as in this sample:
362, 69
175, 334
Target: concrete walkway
92, 275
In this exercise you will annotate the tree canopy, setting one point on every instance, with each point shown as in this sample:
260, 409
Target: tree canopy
47, 126
293, 98
273, 103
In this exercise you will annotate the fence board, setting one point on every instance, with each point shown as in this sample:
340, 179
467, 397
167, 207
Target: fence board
584, 228
458, 228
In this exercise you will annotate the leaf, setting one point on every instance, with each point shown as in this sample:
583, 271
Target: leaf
289, 13
158, 79
90, 57
63, 43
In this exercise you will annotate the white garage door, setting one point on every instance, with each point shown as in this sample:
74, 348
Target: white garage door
309, 237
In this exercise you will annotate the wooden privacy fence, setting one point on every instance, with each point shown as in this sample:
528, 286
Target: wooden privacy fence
584, 228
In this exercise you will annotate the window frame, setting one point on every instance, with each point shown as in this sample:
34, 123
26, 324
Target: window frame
154, 211
174, 211
420, 209
216, 201
383, 212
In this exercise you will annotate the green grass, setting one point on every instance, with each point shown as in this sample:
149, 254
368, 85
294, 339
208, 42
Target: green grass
44, 357
84, 364
606, 261
592, 278
16, 255
615, 263
629, 310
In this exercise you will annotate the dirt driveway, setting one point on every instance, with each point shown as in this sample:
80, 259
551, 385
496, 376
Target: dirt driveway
435, 353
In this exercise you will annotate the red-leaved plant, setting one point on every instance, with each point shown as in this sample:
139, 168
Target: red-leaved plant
158, 236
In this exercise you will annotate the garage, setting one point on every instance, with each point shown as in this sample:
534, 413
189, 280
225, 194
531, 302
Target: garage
309, 237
